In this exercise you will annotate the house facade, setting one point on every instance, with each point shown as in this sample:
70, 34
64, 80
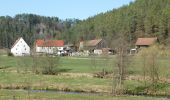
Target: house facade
20, 48
49, 46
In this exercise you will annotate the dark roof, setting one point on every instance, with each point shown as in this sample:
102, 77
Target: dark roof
146, 41
92, 42
50, 43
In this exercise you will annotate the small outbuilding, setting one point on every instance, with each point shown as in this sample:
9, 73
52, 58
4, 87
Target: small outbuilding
145, 42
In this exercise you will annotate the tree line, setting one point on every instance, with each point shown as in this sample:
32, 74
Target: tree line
31, 27
141, 18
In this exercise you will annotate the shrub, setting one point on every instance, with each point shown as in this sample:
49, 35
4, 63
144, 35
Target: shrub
10, 54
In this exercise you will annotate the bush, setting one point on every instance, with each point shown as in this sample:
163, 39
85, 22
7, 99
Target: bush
48, 71
10, 54
46, 65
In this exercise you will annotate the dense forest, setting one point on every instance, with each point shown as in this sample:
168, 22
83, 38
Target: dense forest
141, 18
32, 27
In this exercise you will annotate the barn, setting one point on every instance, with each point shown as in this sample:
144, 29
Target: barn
145, 42
93, 46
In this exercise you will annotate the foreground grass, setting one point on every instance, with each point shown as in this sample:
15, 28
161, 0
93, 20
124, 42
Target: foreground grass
16, 73
24, 95
53, 82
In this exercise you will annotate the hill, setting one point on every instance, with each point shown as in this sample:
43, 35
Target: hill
142, 18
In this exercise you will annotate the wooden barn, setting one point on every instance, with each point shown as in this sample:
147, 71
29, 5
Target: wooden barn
145, 42
93, 46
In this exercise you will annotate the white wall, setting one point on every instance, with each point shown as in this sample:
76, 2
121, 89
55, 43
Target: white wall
20, 48
98, 51
49, 50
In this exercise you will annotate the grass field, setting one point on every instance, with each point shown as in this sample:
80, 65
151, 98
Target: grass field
76, 74
69, 64
84, 65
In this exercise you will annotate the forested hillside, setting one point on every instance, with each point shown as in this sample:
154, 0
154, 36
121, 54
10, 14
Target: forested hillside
31, 27
142, 18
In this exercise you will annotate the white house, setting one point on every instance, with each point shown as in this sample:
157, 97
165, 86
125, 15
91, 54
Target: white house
20, 48
50, 46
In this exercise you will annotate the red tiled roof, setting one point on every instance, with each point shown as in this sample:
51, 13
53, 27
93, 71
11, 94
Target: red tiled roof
92, 42
50, 43
146, 41
39, 43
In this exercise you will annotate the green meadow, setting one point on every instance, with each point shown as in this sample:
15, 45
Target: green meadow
74, 74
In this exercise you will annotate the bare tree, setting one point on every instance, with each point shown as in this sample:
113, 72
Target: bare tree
104, 63
52, 62
153, 65
150, 64
47, 62
144, 56
120, 69
35, 60
93, 61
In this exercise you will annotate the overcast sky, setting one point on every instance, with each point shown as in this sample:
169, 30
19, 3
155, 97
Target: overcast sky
63, 9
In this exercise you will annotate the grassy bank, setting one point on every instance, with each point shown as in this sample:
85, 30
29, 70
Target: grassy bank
53, 82
25, 95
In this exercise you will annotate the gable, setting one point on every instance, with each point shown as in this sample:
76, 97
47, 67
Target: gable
16, 42
92, 42
20, 41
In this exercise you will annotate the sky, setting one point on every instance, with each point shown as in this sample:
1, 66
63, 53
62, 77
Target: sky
79, 9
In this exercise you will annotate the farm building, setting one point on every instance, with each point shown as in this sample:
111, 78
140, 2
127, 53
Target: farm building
49, 46
20, 48
70, 48
145, 42
94, 46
